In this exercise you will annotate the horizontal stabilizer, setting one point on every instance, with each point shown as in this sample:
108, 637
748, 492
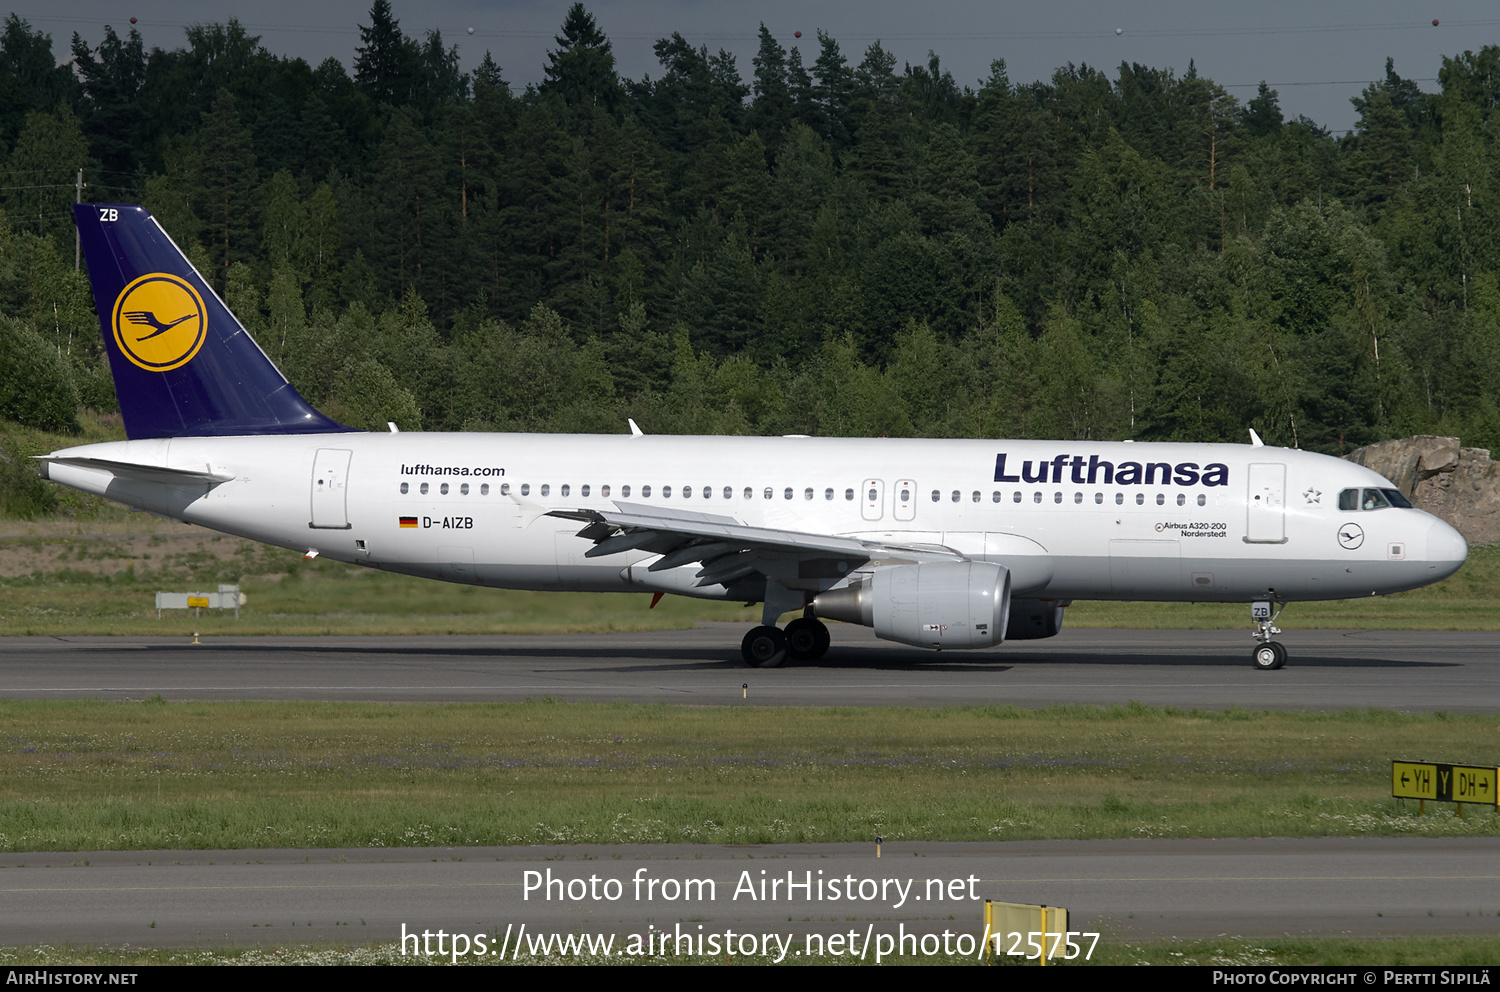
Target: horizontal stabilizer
151, 473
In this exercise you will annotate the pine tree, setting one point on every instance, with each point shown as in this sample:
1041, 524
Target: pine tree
227, 181
582, 69
386, 65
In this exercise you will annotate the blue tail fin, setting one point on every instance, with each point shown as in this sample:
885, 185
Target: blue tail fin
183, 365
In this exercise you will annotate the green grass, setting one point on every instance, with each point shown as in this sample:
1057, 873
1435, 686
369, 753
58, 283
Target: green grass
128, 776
92, 586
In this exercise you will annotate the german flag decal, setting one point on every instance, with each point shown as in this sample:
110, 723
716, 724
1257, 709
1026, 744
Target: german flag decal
408, 521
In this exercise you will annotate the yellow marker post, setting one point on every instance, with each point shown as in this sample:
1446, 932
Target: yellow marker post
877, 845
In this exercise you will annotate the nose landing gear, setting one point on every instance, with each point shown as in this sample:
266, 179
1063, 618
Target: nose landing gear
1268, 655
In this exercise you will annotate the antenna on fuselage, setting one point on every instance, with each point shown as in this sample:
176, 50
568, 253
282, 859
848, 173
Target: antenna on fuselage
634, 430
1255, 441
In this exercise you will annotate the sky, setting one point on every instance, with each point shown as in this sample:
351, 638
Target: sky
1317, 54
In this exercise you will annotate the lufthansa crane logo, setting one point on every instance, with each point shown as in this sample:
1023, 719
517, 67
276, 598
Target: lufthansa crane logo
160, 322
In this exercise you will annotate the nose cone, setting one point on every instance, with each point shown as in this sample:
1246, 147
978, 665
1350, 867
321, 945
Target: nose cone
1446, 550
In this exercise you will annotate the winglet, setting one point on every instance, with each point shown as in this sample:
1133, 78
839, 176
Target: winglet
1255, 441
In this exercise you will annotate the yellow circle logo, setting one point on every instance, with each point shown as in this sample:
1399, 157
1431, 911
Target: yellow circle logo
160, 322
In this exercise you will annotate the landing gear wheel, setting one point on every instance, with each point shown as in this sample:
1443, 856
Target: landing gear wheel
1268, 656
764, 647
807, 638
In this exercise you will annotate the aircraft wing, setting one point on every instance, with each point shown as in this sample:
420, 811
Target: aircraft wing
729, 549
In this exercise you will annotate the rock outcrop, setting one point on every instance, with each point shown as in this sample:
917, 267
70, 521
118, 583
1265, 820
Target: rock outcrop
1461, 485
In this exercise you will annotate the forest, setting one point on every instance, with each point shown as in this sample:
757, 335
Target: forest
821, 242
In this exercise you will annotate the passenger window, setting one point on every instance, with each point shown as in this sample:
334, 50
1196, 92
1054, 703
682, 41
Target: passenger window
505, 489
564, 490
1161, 498
955, 495
1098, 498
405, 487
1140, 499
749, 493
444, 489
975, 498
464, 489
1078, 497
583, 490
905, 495
525, 488
645, 492
849, 495
767, 494
687, 492
1057, 497
604, 491
624, 492
788, 493
1202, 499
936, 495
729, 493
807, 493
1036, 497
484, 489
424, 489
828, 494
1017, 497
872, 495
546, 488
1119, 498
666, 492
1181, 499
995, 496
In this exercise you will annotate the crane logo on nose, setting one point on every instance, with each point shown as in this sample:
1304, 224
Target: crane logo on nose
159, 322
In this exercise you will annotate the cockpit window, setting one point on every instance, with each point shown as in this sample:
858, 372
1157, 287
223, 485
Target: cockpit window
1373, 499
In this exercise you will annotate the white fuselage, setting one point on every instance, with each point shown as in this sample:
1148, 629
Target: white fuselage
1071, 520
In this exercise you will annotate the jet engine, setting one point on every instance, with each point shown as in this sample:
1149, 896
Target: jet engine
939, 605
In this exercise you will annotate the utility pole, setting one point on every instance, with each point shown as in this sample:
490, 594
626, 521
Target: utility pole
77, 238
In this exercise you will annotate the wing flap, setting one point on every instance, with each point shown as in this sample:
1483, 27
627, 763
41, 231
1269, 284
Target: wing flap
730, 550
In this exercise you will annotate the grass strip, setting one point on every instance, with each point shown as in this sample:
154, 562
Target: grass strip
87, 775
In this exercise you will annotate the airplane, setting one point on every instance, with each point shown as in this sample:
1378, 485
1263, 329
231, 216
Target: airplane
945, 544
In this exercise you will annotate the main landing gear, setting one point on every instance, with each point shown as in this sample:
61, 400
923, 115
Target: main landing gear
1268, 655
804, 639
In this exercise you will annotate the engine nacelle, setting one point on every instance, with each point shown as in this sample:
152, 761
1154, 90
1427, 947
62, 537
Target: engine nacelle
937, 605
1034, 618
